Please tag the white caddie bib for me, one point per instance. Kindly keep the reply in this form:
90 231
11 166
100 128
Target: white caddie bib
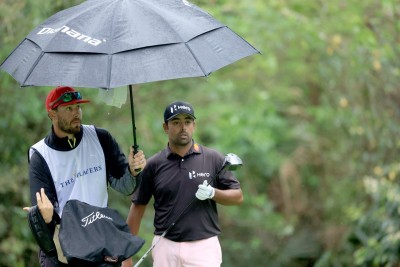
80 173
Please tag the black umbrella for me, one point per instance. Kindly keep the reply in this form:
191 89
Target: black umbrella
112 43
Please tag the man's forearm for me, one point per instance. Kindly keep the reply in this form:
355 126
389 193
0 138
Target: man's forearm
228 197
135 216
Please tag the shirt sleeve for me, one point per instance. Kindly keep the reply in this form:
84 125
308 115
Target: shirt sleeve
125 185
227 180
117 167
40 177
145 188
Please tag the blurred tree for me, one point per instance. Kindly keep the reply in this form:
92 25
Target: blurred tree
315 119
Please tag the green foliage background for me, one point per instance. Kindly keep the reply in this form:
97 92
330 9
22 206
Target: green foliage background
315 118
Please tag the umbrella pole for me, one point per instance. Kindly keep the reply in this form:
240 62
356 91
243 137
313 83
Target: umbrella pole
135 145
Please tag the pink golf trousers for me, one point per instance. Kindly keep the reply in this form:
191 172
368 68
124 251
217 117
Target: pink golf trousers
200 253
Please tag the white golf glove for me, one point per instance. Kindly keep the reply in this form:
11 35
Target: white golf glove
205 191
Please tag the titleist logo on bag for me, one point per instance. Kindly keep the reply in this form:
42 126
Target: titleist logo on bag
92 217
93 234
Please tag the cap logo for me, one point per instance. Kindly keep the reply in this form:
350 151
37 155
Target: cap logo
176 108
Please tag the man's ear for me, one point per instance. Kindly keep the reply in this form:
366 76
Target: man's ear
51 113
165 126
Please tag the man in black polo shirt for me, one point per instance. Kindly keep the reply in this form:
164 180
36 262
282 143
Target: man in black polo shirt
174 177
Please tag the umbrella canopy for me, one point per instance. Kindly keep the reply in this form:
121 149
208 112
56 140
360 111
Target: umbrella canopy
112 43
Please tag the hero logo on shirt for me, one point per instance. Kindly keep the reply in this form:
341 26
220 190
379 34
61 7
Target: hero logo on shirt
194 174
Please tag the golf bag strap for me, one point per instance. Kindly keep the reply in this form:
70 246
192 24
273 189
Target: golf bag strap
40 232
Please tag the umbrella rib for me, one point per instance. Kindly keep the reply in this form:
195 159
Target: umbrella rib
198 62
109 71
32 68
110 58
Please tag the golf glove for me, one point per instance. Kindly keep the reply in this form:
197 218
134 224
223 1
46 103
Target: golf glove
205 191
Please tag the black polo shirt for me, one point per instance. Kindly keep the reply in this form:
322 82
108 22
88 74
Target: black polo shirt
173 181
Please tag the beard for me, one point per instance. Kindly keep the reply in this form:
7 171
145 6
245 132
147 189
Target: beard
181 141
66 127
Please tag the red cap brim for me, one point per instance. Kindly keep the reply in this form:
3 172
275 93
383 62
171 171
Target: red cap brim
73 102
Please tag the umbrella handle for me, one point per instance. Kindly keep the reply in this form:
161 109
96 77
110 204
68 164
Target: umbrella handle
135 150
135 145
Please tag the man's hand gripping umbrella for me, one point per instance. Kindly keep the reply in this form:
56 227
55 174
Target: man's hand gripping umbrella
232 162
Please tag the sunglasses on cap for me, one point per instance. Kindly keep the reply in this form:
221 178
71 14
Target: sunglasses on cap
66 97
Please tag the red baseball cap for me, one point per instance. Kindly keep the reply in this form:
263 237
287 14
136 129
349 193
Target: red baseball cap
63 96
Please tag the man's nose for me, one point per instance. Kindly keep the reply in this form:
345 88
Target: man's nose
76 111
183 125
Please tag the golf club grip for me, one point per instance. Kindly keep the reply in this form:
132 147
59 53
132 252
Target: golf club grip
135 150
